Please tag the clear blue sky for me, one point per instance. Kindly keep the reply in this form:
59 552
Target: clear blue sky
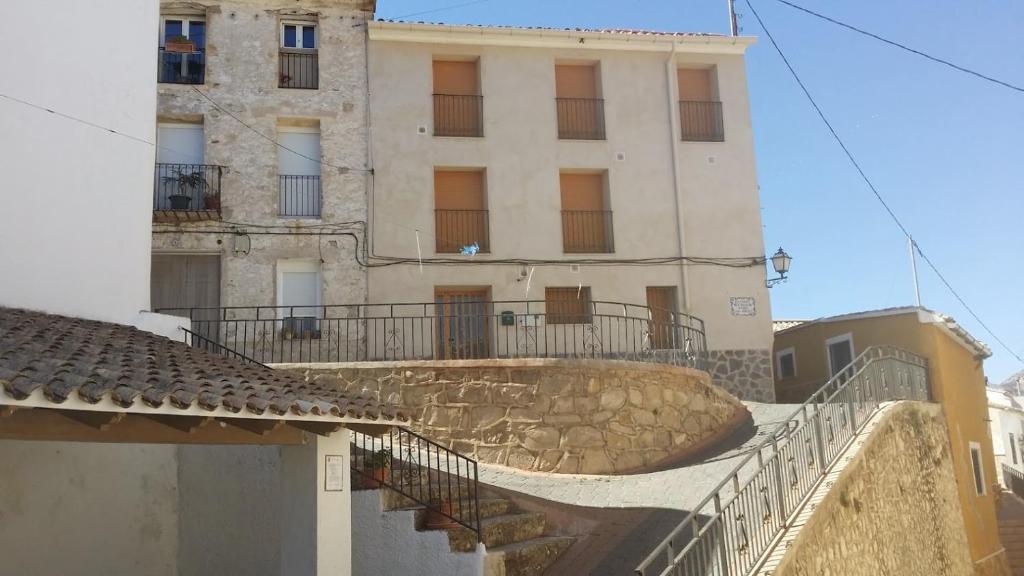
943 147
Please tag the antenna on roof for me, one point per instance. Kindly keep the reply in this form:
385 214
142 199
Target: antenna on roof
733 27
913 267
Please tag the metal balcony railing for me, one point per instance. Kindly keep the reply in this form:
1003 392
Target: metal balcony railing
701 121
450 330
181 68
454 229
458 115
736 524
442 480
580 118
300 196
187 191
587 231
298 68
1013 480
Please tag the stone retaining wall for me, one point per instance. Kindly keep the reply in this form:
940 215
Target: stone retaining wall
568 416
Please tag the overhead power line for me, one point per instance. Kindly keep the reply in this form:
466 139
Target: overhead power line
901 46
440 9
76 119
871 185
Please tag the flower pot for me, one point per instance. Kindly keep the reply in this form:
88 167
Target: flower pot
438 519
378 475
211 202
179 201
179 46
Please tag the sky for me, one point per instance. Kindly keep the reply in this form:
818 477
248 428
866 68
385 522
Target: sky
942 147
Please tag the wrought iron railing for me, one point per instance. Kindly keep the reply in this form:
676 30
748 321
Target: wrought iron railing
1013 479
300 196
298 68
580 118
187 187
181 67
587 231
449 330
458 115
701 121
455 229
735 525
196 341
443 481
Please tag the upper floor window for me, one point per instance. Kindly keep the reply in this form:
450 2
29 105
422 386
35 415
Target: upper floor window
184 187
979 472
700 111
298 168
839 350
586 219
299 63
578 102
460 210
182 50
458 105
785 363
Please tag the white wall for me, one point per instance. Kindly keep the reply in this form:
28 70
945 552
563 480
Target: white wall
77 201
387 543
69 509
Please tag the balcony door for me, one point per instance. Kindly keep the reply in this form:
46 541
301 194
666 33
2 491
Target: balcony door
298 167
463 322
179 154
184 283
662 302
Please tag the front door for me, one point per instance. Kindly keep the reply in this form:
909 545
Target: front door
662 302
183 283
463 323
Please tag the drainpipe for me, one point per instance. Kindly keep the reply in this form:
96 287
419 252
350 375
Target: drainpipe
673 114
370 229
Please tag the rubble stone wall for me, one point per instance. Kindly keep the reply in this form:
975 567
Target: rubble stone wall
554 415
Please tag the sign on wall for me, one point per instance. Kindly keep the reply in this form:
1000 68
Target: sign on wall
743 306
334 480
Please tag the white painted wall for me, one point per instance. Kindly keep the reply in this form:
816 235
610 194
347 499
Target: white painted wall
1006 416
77 201
69 509
387 543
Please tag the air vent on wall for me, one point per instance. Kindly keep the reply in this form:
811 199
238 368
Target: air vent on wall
574 268
421 129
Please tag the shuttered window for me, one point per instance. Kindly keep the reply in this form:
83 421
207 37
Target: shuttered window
568 305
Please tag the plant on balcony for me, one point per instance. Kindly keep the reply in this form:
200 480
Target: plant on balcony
186 182
378 465
439 513
179 45
211 201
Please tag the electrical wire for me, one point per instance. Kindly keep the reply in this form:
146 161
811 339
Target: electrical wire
901 46
442 8
76 119
273 140
872 187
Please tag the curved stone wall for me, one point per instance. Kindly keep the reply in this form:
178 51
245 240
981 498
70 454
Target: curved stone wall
555 415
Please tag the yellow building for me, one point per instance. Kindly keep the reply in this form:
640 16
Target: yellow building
808 353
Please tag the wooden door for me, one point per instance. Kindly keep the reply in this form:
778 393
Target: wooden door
463 323
662 302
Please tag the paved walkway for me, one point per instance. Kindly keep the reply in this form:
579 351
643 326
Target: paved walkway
680 488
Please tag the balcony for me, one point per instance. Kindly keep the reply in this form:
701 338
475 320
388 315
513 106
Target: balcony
186 192
300 196
458 115
580 118
701 121
181 67
454 229
298 68
587 231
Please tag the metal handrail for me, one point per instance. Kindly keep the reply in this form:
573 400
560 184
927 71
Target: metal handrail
442 480
458 329
1013 479
728 532
196 341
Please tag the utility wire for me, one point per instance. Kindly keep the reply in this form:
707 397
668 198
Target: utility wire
896 44
442 8
77 119
871 185
273 140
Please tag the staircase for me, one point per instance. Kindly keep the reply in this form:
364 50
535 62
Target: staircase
515 540
1010 515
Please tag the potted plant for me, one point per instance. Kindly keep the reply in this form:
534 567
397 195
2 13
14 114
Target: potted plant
439 514
211 202
179 45
185 183
379 467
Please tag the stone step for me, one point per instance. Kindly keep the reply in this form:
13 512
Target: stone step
527 558
498 531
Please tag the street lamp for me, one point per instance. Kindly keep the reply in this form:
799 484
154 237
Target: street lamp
780 261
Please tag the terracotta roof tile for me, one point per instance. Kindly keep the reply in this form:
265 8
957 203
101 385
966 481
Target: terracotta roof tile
628 31
95 361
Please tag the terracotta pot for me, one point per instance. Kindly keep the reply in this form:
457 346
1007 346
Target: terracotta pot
179 47
437 520
377 477
211 202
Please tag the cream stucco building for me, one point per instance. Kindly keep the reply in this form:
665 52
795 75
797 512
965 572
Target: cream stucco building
569 157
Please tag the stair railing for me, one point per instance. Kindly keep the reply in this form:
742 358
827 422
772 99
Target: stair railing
729 532
1013 479
442 480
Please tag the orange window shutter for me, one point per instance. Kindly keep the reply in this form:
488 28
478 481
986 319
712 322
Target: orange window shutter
695 84
575 81
456 77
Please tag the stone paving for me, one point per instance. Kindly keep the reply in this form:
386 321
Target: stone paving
680 488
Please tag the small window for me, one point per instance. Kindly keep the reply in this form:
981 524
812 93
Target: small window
840 353
1013 448
979 473
569 305
298 35
785 362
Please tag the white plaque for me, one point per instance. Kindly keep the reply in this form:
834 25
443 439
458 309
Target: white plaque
743 306
334 465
